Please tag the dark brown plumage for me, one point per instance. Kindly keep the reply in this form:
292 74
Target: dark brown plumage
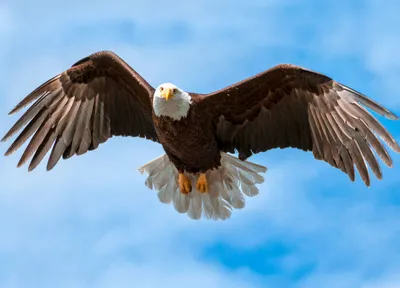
289 106
97 98
286 106
190 142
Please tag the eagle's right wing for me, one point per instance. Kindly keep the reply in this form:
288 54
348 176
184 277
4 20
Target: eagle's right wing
98 97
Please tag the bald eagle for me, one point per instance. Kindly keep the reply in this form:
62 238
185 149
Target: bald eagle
101 96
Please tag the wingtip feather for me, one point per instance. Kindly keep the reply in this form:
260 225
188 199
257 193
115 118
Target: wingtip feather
7 136
392 116
50 165
15 109
365 100
20 163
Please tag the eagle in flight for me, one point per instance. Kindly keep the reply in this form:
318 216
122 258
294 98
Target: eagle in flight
101 96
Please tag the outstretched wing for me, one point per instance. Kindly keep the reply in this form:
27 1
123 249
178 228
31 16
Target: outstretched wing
98 97
289 106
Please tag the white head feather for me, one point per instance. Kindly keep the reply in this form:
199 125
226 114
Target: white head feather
176 106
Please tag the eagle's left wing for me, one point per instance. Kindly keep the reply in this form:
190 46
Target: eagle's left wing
289 106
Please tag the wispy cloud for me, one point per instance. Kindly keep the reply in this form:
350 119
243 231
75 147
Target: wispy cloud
91 222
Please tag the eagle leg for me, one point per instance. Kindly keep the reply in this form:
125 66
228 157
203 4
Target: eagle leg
202 184
184 183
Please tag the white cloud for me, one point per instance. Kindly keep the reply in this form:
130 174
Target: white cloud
6 21
390 281
370 33
171 273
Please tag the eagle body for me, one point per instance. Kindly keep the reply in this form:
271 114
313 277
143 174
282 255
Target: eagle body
190 143
286 106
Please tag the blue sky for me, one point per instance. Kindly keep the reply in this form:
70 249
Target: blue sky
91 222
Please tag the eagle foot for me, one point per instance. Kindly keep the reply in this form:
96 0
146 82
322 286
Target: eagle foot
202 184
184 184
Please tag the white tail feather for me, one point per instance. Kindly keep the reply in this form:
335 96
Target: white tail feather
228 186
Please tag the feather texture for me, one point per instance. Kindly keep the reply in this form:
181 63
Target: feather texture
228 186
289 106
97 98
286 106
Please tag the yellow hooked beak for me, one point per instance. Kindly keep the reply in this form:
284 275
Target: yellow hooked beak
167 93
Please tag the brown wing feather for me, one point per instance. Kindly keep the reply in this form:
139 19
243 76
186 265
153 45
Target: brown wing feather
289 106
98 97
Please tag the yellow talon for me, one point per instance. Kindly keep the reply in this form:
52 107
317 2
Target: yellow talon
184 184
202 184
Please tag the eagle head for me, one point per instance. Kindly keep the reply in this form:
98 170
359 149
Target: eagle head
171 101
